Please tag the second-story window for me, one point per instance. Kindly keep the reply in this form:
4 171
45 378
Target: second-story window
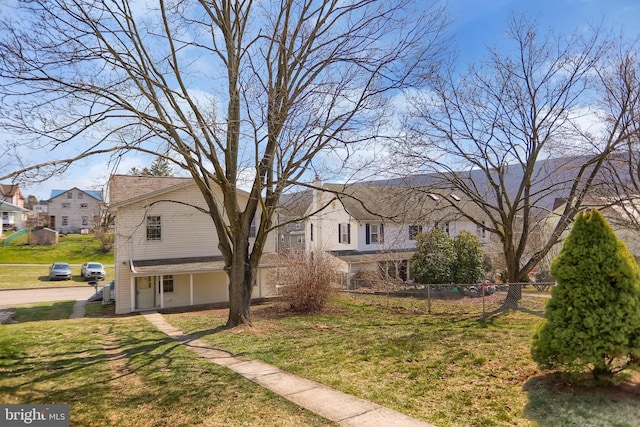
374 233
66 205
344 233
154 228
84 205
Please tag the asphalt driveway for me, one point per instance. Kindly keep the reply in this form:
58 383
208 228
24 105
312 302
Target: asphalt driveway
16 297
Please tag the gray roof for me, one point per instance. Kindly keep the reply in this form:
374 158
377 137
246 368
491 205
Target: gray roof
370 202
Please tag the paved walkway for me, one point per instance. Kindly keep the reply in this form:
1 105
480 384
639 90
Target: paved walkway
334 405
78 309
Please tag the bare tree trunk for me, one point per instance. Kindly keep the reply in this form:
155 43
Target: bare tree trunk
242 279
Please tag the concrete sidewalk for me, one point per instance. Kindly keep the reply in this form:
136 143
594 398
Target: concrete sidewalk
334 405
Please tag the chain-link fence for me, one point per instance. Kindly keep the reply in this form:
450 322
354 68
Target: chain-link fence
476 299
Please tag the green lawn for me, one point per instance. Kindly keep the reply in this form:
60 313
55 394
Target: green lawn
75 249
121 371
72 248
450 370
24 277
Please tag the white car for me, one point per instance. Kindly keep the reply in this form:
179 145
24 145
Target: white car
92 271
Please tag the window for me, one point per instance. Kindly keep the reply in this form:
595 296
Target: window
344 233
481 231
66 205
85 220
69 195
374 233
252 229
154 228
414 230
5 215
297 226
84 205
65 220
300 239
167 283
79 195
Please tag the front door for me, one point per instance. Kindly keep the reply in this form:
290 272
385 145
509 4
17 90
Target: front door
145 293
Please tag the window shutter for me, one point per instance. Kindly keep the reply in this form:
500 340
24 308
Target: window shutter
339 233
349 233
381 237
367 235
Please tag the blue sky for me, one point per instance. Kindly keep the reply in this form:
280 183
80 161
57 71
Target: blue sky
476 24
481 23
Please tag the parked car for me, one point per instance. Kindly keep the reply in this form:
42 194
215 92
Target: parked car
60 271
92 271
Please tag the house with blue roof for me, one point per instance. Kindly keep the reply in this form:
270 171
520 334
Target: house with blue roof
75 210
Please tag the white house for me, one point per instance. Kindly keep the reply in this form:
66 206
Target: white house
74 210
166 250
372 228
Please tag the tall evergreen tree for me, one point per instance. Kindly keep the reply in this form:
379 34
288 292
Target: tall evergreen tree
593 316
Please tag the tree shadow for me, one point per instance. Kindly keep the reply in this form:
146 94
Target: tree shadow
503 311
555 401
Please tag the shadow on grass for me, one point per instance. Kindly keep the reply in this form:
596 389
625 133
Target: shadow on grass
557 402
54 311
502 311
83 376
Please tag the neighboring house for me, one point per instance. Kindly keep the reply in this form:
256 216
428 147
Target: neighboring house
623 217
14 215
74 210
10 193
166 250
373 228
290 218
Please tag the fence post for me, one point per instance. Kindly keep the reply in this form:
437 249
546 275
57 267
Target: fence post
429 298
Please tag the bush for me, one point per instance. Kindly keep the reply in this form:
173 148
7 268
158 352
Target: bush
304 281
440 260
593 316
469 259
432 260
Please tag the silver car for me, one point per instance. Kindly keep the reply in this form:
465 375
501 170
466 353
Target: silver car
60 271
92 271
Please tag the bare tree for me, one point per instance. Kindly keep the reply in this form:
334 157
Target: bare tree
224 90
621 188
512 135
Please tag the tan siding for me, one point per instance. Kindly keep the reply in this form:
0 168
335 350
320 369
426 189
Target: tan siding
209 288
180 295
266 277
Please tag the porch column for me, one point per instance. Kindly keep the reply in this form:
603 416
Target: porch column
191 289
132 290
161 291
